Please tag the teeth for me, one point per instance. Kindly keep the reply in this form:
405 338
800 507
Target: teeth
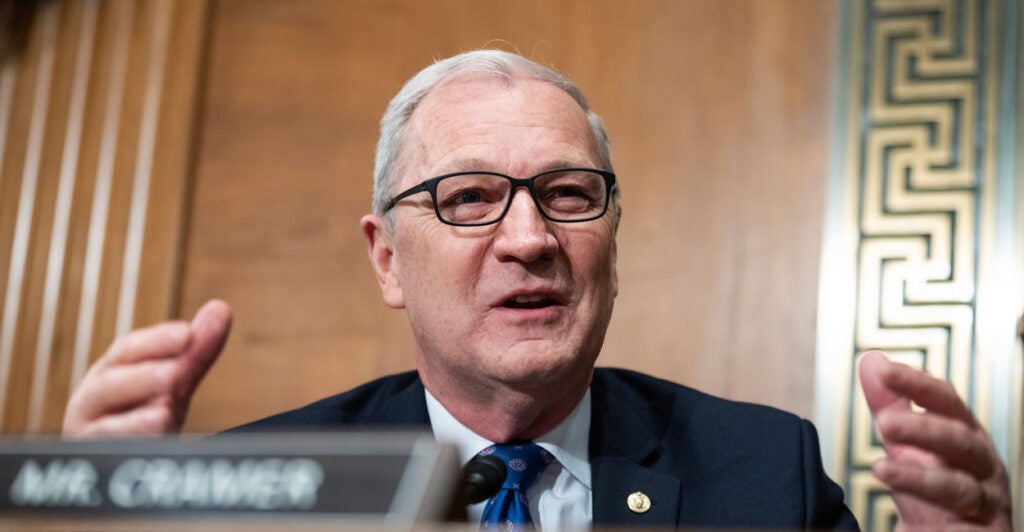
525 300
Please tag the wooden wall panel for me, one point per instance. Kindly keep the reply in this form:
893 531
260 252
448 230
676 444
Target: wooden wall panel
718 116
93 166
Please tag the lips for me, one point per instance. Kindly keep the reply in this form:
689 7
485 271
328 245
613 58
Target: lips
529 301
532 300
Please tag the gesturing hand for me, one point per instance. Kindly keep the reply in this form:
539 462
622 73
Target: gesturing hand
941 464
143 384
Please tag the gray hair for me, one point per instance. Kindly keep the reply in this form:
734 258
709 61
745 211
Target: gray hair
497 63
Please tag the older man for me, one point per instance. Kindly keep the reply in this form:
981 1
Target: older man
495 214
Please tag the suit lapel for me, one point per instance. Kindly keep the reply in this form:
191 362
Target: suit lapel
625 437
407 407
624 441
616 478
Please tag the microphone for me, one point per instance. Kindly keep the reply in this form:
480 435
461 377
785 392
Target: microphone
482 477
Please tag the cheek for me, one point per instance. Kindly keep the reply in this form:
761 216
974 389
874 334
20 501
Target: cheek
438 270
592 258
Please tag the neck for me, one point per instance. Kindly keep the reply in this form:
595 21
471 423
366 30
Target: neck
502 412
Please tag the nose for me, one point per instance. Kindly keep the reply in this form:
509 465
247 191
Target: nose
524 234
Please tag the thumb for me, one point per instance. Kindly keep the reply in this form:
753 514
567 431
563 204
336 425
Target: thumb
874 365
210 328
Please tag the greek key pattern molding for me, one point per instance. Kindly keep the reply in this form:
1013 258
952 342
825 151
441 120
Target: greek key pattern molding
920 172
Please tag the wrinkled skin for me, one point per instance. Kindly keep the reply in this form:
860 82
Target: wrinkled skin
504 372
941 464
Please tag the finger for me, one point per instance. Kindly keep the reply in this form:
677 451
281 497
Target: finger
149 420
158 341
872 369
909 453
946 527
951 489
210 329
119 388
927 391
956 444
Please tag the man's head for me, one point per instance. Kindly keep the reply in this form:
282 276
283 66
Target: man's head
497 63
513 312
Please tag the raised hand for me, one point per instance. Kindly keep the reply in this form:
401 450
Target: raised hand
143 384
941 464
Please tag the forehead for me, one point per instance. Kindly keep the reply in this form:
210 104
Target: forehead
519 127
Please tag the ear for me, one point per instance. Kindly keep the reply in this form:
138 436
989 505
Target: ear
615 268
615 250
378 236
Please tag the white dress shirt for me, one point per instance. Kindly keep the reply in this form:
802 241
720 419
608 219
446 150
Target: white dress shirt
561 497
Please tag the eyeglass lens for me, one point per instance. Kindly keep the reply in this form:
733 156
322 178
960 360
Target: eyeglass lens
482 198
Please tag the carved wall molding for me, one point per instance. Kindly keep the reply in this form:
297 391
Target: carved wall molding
922 243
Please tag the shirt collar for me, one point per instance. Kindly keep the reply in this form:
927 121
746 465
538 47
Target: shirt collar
568 442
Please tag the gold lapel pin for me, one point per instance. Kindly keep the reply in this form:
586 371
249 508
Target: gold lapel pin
638 502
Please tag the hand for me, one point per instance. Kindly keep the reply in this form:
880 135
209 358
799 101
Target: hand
941 464
143 384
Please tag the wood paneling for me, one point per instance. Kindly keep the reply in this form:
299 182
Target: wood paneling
718 116
94 153
717 112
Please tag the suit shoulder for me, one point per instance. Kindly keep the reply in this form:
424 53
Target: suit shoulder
738 464
394 400
674 400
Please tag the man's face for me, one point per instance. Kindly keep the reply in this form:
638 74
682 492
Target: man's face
524 302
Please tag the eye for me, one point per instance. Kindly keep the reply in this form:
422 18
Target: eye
569 198
470 198
470 189
568 192
467 196
571 193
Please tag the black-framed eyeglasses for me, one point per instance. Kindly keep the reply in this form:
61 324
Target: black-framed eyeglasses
482 198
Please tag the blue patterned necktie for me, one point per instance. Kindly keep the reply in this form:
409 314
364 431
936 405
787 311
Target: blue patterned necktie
509 508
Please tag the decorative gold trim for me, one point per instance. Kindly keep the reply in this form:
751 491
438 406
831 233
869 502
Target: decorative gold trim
917 241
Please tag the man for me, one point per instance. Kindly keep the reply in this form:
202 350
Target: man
495 214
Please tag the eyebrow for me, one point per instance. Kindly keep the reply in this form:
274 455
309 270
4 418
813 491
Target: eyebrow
475 163
465 165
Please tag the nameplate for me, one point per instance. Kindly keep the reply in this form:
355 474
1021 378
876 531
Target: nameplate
395 477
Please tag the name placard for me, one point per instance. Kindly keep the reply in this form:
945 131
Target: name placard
393 477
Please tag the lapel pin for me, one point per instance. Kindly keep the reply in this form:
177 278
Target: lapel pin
638 502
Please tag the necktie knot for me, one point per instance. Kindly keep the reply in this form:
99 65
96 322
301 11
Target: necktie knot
509 509
525 462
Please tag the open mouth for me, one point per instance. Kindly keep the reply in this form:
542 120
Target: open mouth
529 302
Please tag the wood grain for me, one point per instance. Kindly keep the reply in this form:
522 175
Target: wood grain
718 116
717 112
71 164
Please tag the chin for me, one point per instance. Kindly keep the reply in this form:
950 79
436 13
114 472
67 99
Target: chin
525 365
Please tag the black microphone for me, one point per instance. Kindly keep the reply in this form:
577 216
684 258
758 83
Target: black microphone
482 477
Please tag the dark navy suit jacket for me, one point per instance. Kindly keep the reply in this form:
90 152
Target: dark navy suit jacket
702 460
